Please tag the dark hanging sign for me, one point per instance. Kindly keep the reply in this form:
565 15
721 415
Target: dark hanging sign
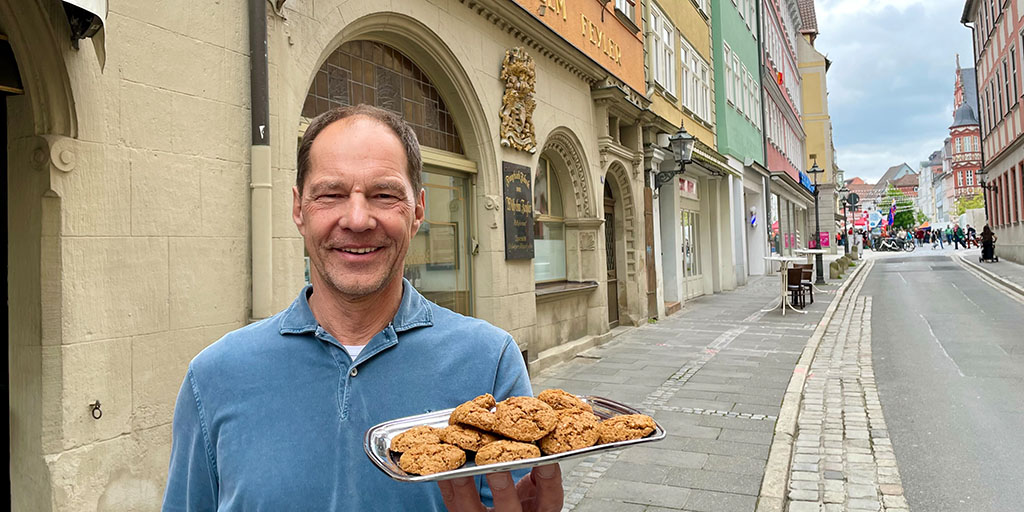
517 204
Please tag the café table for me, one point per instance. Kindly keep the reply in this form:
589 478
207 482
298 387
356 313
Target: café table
784 262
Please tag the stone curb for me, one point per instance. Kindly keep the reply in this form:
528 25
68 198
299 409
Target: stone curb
1012 286
772 497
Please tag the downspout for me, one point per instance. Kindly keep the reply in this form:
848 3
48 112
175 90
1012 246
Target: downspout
259 177
764 131
977 94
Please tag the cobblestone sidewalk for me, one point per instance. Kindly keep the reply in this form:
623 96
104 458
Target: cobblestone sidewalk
714 376
843 459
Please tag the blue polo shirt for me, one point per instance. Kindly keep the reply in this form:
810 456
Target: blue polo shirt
272 416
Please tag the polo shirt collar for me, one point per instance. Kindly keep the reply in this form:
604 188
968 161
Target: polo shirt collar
413 311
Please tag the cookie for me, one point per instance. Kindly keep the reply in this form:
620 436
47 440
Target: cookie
625 427
524 418
561 400
476 413
427 459
414 436
575 429
505 451
466 437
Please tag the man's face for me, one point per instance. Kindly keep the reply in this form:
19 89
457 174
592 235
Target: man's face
357 211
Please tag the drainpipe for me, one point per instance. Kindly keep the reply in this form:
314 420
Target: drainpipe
259 177
764 132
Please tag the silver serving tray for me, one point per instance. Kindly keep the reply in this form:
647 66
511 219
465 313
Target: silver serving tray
378 439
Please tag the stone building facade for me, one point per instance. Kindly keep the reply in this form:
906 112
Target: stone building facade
145 221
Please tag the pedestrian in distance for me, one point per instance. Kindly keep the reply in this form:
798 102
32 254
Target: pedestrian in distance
972 235
988 243
958 237
272 416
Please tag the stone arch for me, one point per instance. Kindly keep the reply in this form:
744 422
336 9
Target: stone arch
563 143
432 54
39 51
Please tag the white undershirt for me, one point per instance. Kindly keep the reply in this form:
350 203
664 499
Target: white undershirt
354 350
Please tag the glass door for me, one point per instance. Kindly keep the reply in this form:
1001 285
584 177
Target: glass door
692 275
438 260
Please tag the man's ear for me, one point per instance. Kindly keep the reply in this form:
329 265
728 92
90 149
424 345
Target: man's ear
297 211
421 201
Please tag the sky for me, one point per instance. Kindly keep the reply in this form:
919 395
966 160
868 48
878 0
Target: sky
891 80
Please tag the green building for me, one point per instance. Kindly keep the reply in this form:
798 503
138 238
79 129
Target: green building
734 29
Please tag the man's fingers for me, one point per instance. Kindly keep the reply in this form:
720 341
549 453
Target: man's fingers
461 496
548 480
506 498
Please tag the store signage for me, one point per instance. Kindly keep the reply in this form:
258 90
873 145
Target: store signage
806 182
517 204
688 189
593 33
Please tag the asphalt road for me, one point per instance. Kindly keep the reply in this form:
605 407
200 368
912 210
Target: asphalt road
948 353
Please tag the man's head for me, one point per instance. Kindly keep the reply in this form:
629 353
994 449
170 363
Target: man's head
356 202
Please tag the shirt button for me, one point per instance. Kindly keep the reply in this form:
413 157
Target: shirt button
354 372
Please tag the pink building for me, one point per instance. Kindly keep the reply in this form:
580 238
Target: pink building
997 28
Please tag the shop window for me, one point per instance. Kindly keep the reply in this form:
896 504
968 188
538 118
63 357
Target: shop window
376 74
548 226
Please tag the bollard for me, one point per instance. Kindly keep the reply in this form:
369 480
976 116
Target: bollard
853 253
834 270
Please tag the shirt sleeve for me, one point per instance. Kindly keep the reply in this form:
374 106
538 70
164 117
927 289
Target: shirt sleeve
191 478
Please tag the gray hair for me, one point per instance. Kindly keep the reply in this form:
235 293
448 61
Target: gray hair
385 117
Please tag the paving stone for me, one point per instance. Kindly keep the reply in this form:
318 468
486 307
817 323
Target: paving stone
834 475
894 501
804 475
639 493
804 495
707 501
804 506
861 491
863 504
600 505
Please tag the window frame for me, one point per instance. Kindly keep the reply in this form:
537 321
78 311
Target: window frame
550 174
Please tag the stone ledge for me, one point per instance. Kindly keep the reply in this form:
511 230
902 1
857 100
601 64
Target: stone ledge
547 292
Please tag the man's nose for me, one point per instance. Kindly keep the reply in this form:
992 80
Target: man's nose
358 214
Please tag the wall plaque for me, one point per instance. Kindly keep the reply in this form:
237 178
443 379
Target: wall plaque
517 204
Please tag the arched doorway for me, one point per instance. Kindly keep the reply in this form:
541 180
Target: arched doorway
374 73
611 248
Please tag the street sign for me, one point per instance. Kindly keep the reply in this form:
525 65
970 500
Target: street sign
852 199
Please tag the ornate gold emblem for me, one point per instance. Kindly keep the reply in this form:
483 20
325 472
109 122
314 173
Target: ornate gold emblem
517 104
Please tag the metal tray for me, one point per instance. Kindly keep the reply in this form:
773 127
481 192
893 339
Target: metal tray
378 439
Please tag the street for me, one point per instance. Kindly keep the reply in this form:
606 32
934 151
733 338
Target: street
949 360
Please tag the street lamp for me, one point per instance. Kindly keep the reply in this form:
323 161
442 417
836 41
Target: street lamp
681 143
815 171
846 227
984 195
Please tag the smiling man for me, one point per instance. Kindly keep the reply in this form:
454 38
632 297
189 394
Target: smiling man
272 416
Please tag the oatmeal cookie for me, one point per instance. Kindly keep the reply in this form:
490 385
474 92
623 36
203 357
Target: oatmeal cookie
505 451
427 459
524 418
466 437
625 427
476 413
575 429
560 400
422 434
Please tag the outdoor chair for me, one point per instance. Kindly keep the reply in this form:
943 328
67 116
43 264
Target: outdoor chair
796 289
807 278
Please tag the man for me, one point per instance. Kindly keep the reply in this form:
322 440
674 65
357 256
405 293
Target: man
272 416
972 236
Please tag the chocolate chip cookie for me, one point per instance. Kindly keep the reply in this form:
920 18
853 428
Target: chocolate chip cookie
524 418
561 400
625 427
505 451
422 434
466 437
476 413
427 459
575 429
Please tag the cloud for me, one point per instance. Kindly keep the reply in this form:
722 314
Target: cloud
891 80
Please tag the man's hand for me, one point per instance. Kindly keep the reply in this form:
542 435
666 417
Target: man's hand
538 491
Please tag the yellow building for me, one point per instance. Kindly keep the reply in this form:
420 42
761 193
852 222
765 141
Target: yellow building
690 227
818 128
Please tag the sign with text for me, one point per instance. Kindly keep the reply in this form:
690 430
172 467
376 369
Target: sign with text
517 203
688 189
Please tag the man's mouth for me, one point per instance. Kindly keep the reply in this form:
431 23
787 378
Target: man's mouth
358 250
